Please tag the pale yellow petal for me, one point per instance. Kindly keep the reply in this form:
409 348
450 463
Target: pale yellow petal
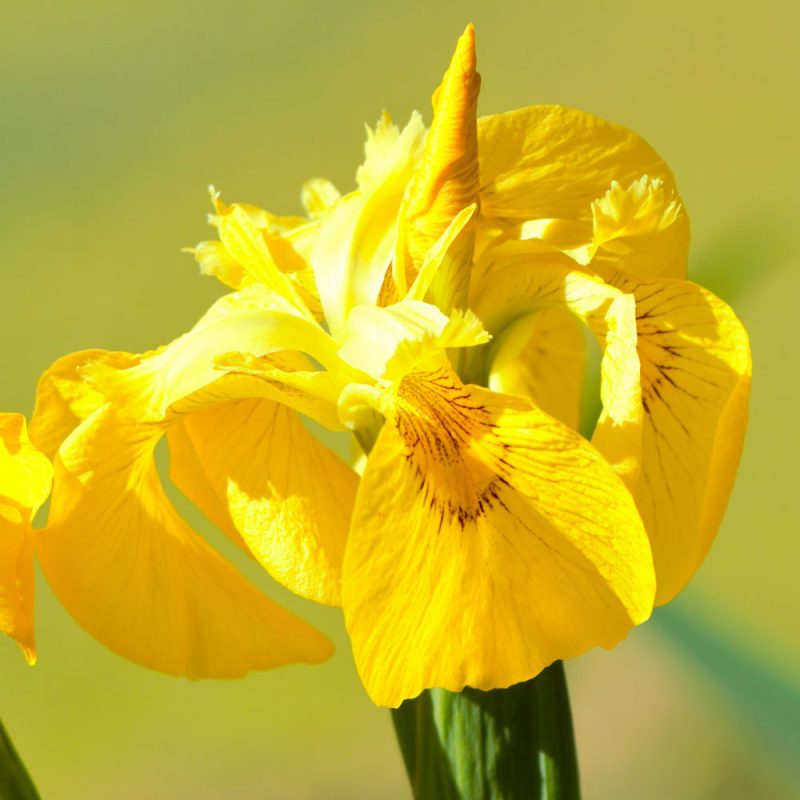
286 494
130 571
488 540
255 321
318 195
358 236
246 245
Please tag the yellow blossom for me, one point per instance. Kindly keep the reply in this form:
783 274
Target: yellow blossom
436 312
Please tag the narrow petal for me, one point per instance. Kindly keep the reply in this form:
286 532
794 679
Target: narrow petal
25 476
358 234
543 357
545 161
318 195
287 495
695 375
131 572
447 179
488 540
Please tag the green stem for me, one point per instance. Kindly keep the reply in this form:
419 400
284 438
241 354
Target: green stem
506 744
15 783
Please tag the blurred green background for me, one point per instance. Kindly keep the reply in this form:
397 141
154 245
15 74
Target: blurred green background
115 117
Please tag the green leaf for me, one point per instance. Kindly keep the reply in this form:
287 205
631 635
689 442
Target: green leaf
506 744
15 783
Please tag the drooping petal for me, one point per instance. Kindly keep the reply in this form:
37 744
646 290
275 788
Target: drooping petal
488 540
287 495
131 572
513 288
25 475
447 179
64 398
545 162
255 321
695 375
543 357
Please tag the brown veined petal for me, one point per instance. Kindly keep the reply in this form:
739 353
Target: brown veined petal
488 540
695 374
514 287
25 476
545 162
252 467
131 572
543 357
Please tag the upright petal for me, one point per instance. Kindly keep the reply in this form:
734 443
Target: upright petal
488 540
358 234
447 179
132 573
545 162
695 376
25 475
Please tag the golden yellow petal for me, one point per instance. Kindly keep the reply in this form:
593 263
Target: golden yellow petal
64 399
512 289
545 162
695 375
25 475
17 579
131 572
641 229
543 357
447 179
288 496
25 472
488 540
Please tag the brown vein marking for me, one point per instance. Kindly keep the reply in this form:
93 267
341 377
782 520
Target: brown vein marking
439 421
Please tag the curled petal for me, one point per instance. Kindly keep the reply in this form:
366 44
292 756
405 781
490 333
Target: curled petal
545 162
695 375
132 573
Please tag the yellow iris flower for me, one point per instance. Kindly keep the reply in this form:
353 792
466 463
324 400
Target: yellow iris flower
436 313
